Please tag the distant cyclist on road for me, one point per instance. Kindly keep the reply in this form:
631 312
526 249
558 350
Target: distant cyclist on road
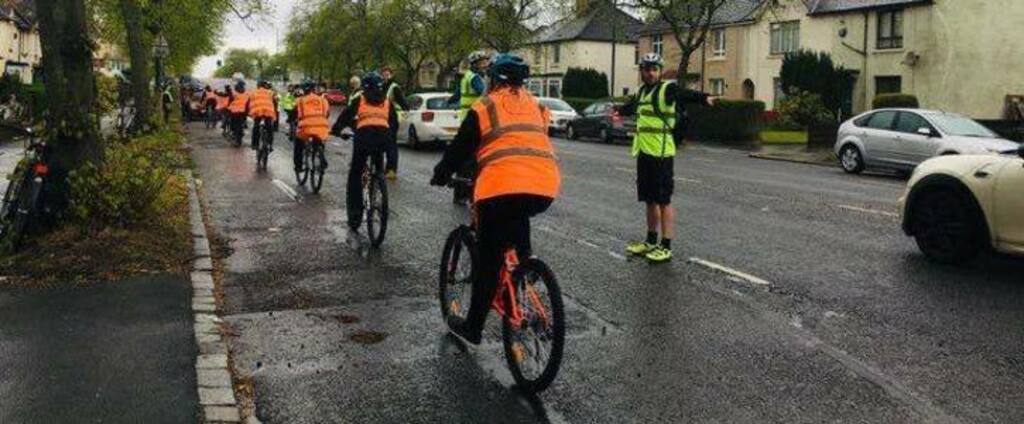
397 99
507 132
288 100
658 104
471 87
374 119
224 98
312 111
262 108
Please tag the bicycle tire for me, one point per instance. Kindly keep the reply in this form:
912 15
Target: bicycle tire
317 173
460 242
263 154
24 213
303 175
378 189
9 207
556 330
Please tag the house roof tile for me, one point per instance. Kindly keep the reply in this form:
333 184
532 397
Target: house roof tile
820 7
600 24
732 12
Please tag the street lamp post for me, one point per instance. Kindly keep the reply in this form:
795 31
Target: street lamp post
160 51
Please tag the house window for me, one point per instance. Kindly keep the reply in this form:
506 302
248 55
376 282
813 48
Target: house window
717 87
888 85
557 54
536 87
785 37
657 46
718 40
555 88
536 55
890 29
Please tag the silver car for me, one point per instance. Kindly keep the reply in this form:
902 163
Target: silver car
900 139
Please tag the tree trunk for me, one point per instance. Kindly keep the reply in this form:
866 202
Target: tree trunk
684 69
138 53
71 122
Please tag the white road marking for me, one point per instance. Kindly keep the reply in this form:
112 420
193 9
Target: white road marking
865 210
288 191
616 255
687 180
733 272
626 170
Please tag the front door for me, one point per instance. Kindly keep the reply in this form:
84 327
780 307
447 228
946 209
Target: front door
1008 205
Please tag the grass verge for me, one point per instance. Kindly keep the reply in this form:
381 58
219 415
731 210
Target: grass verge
783 137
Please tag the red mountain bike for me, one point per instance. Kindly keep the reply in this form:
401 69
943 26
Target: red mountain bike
528 300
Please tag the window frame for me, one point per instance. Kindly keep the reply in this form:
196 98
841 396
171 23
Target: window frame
889 78
715 83
782 33
887 19
718 44
556 54
892 123
657 45
899 119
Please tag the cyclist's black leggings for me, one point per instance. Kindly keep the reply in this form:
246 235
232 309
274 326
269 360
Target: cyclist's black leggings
502 221
361 150
238 125
257 127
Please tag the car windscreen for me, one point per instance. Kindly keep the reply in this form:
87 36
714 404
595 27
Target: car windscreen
961 126
440 103
557 105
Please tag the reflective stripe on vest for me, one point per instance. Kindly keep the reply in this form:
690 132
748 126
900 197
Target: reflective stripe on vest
238 104
373 115
467 96
515 155
262 104
312 112
654 127
391 96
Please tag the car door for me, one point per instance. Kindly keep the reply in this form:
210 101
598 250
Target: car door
597 121
879 138
580 125
912 147
409 117
1008 205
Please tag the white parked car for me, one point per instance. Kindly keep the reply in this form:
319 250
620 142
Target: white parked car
900 139
561 113
429 120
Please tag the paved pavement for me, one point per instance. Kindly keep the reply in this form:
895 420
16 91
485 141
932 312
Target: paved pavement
854 324
118 352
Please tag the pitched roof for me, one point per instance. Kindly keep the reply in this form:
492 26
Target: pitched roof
20 12
603 23
820 7
731 12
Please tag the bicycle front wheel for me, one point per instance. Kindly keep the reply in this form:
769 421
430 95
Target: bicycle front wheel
317 172
377 210
264 151
455 282
534 348
24 208
302 175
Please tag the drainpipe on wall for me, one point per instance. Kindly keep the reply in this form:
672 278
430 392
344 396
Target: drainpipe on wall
703 65
867 17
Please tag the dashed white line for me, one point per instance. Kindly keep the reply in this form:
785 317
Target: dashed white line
871 211
616 255
733 272
288 191
687 180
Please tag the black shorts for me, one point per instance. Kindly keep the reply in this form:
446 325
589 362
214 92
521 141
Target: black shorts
654 179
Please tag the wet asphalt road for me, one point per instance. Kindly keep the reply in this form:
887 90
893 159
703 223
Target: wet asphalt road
856 326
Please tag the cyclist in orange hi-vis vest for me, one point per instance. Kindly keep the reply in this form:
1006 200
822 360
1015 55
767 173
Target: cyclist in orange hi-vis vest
262 108
223 100
312 111
374 121
506 131
237 108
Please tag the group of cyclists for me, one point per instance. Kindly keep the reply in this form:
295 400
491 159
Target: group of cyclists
502 145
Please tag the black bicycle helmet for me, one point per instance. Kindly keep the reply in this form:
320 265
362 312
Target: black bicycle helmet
509 68
372 81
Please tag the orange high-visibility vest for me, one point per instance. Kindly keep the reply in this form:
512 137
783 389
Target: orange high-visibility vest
373 115
312 111
238 104
515 154
222 102
261 104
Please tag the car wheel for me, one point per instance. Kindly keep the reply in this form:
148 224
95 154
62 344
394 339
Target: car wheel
570 133
414 140
947 226
851 159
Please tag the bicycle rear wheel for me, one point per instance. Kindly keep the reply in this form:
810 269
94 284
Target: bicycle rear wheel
455 279
534 349
19 213
303 175
377 210
264 149
317 172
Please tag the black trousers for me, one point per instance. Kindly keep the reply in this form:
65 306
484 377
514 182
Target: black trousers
501 222
392 152
238 126
299 148
361 151
257 129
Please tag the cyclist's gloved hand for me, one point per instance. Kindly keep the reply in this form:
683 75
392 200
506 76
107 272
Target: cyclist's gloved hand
441 177
346 136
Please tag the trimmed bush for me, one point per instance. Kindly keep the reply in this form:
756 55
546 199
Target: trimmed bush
816 73
803 109
727 120
587 83
895 100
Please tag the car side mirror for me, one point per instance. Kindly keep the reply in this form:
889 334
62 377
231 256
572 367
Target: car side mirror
927 132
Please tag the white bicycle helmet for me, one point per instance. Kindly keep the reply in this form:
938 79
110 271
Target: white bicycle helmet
478 56
651 59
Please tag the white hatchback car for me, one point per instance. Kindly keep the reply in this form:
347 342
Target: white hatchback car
900 139
561 114
430 119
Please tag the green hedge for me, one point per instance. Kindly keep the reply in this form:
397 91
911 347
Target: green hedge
584 83
727 120
895 100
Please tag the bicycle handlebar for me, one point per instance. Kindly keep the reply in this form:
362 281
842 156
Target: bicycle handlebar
460 181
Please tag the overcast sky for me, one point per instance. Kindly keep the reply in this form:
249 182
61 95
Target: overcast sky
267 34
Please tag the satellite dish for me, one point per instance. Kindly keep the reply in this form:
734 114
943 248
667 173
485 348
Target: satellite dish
911 59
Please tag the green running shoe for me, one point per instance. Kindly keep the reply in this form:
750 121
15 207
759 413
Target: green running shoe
659 254
640 248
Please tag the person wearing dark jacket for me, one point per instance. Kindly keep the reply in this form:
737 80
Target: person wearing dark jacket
375 122
397 97
660 109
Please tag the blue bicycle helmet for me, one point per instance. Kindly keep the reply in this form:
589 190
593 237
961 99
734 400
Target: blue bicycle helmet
372 81
509 68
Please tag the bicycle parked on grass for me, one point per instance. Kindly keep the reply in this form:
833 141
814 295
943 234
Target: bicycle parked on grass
125 120
528 300
312 164
266 142
23 197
